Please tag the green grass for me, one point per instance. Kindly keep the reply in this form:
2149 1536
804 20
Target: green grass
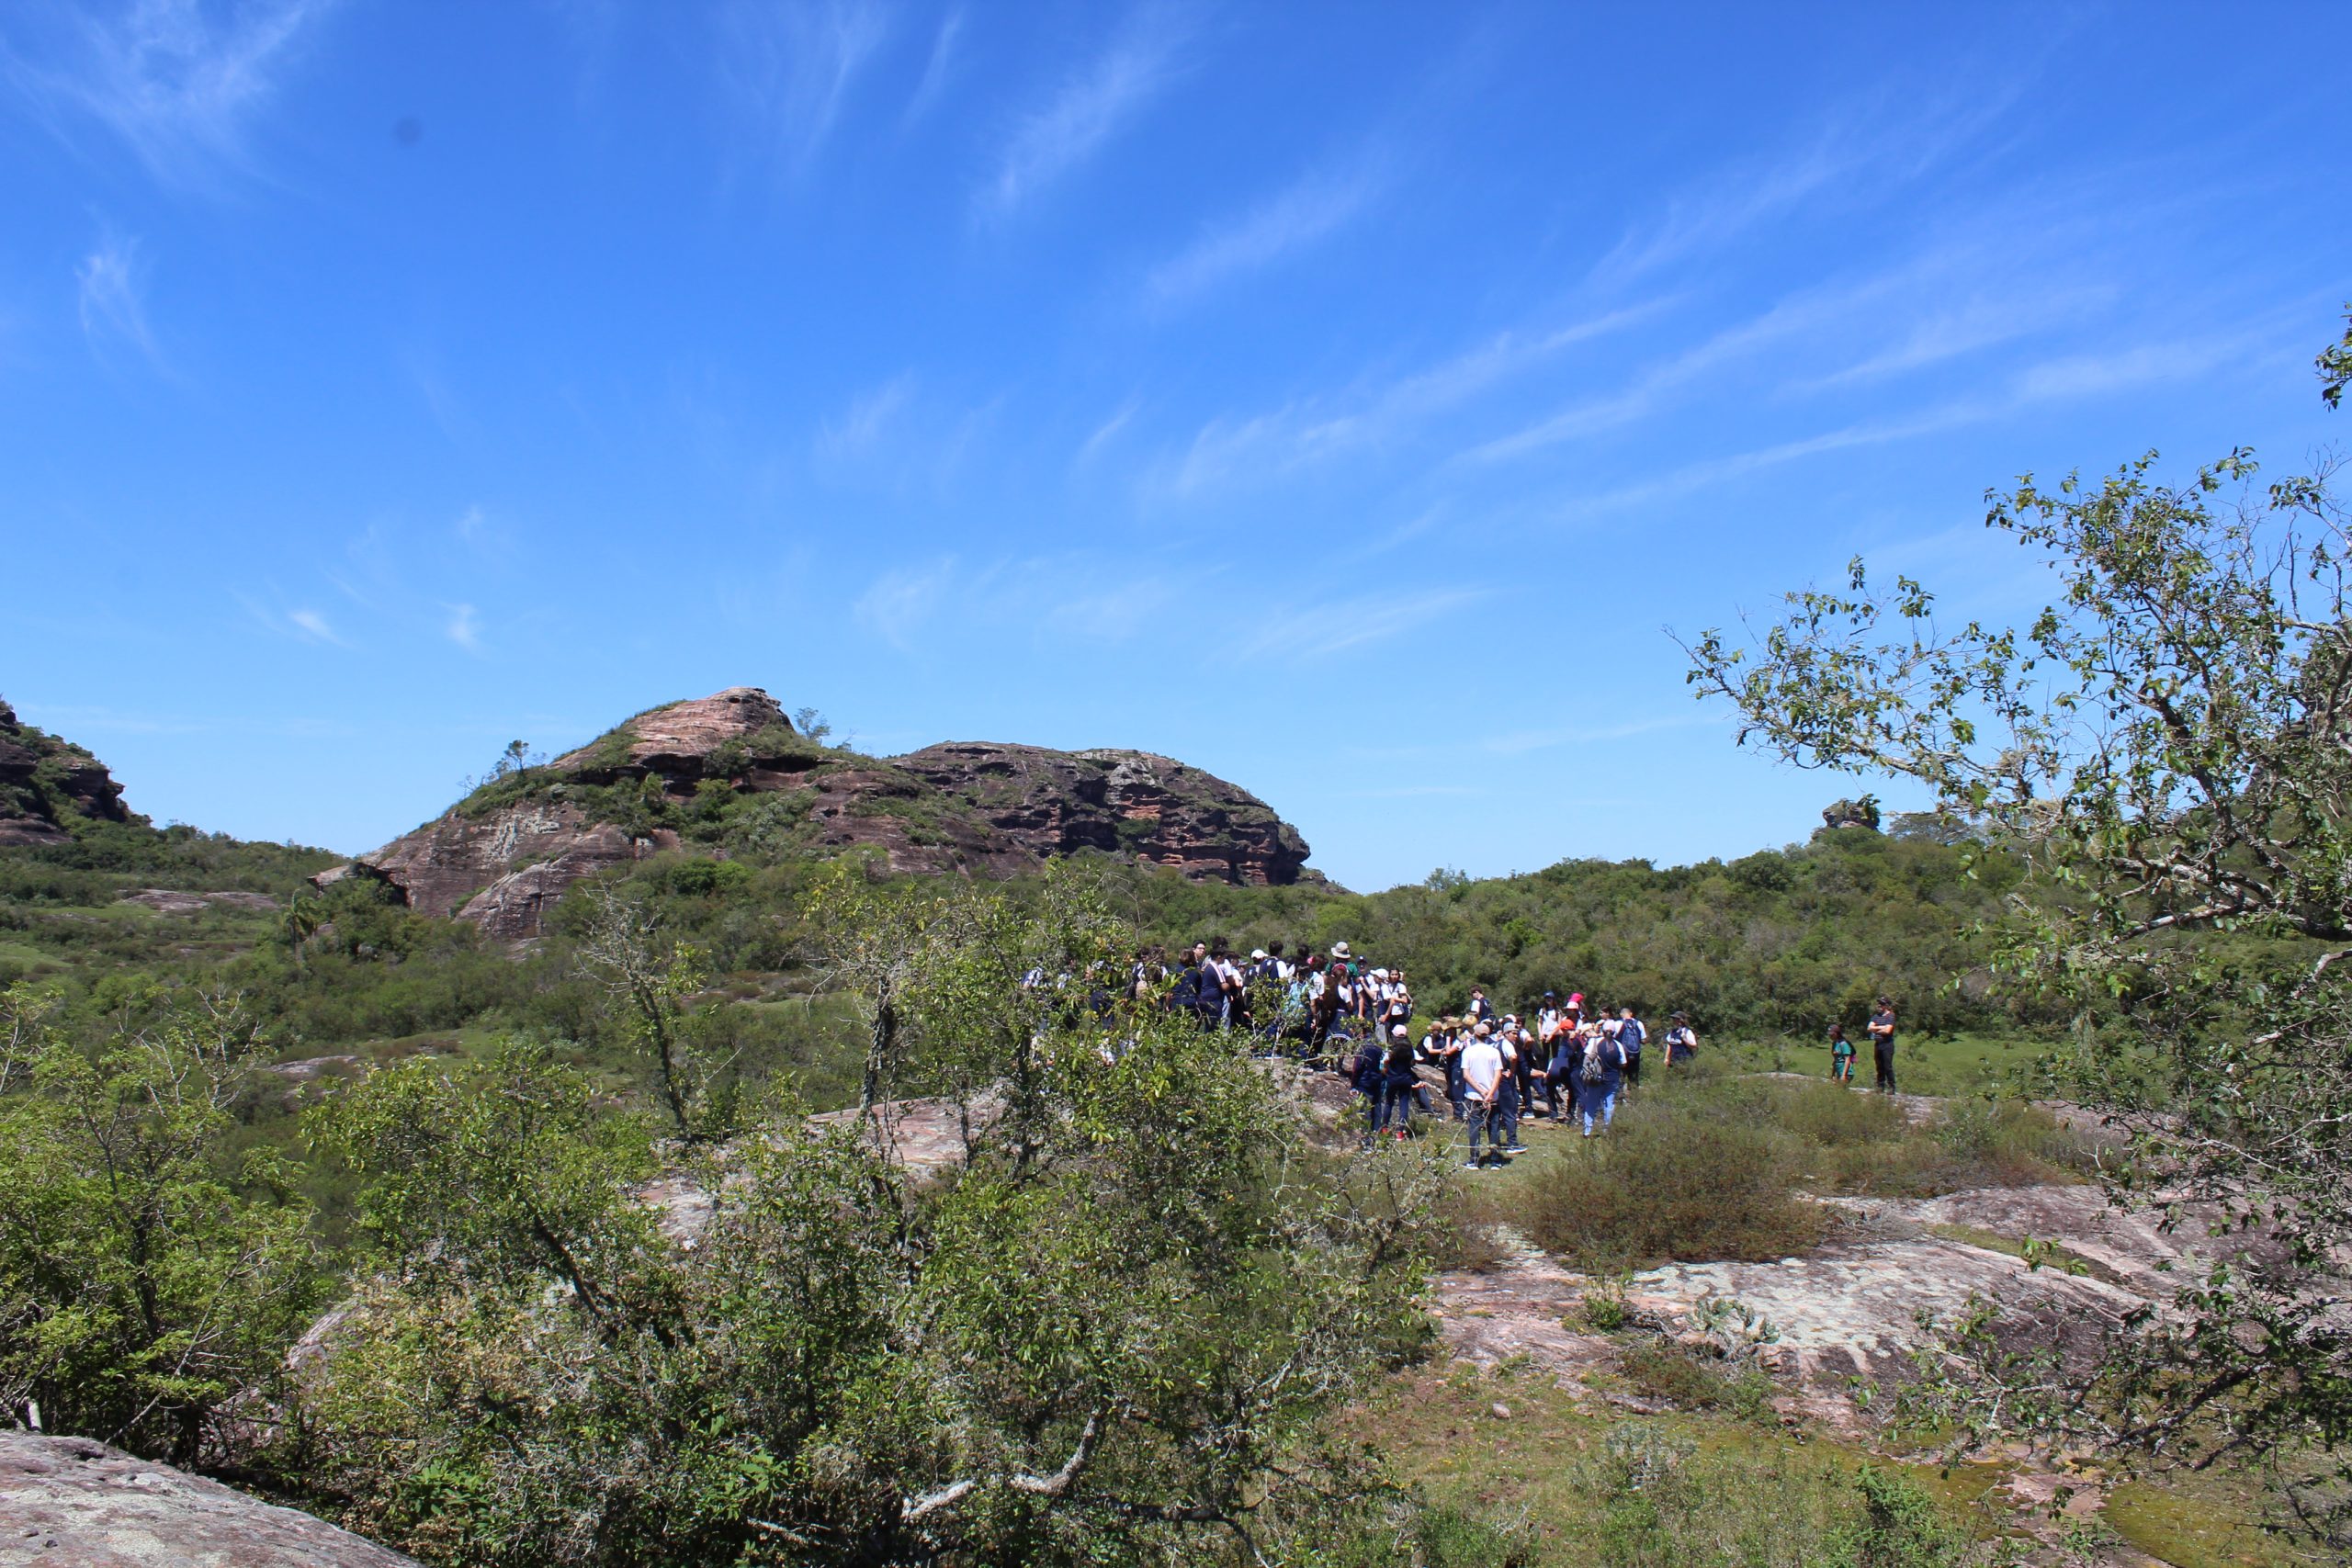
1548 1462
1742 1493
1941 1065
2049 1254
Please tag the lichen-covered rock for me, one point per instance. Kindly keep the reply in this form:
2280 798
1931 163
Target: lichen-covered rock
76 1503
504 855
46 782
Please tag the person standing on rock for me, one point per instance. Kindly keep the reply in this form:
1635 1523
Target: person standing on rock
1482 1082
1398 1082
1883 1043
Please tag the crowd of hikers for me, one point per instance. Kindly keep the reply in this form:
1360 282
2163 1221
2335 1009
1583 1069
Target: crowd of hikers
1570 1060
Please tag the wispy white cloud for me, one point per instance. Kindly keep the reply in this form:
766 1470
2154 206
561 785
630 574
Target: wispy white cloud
1859 150
1320 630
937 66
314 626
1108 430
1964 328
178 81
790 68
1373 411
1075 595
464 626
2057 380
1906 313
1085 110
1290 221
112 299
860 429
898 604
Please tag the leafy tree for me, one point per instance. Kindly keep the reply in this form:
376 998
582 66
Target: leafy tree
150 1283
1108 1332
2168 744
653 984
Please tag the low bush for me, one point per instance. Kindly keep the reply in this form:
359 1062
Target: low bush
1672 1183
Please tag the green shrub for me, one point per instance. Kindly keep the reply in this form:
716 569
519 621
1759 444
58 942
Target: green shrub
1672 1183
1659 1370
1658 1503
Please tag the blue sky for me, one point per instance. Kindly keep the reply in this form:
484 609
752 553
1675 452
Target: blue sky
1343 399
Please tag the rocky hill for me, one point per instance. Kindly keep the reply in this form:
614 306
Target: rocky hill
728 775
47 785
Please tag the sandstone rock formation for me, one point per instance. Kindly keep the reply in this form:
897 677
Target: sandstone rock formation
46 782
728 774
73 1503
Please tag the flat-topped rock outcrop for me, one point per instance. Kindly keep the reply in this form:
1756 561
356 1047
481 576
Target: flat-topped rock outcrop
728 775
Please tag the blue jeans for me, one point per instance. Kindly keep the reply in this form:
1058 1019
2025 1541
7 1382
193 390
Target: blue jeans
1486 1119
1601 1097
1560 1086
1395 1107
1507 1109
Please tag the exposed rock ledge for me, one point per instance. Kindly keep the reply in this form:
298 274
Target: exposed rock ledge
76 1503
503 857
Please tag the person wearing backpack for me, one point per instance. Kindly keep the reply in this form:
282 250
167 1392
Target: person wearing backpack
1599 1077
1398 1082
1630 1035
1681 1042
1841 1056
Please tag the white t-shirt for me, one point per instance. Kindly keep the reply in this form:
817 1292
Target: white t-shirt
1482 1068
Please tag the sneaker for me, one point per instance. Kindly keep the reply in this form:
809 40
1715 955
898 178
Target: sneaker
1474 1165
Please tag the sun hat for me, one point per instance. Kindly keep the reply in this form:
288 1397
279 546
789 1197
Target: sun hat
1257 953
1339 950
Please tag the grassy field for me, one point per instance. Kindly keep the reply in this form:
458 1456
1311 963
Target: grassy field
1941 1065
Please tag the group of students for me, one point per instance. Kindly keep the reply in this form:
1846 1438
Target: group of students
1572 1063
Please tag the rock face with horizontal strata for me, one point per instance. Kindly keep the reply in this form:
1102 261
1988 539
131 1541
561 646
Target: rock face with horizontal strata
46 782
73 1501
973 808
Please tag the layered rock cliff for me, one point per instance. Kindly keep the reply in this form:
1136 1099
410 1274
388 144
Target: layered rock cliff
47 785
728 775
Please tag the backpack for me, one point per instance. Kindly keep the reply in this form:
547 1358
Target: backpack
1596 1063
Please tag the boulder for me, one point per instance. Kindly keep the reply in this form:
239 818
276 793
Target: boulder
76 1503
